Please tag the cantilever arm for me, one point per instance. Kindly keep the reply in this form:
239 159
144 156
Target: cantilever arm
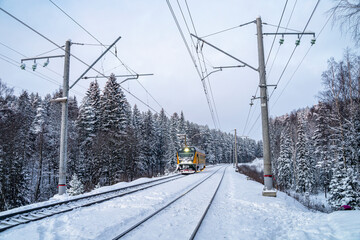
211 73
224 52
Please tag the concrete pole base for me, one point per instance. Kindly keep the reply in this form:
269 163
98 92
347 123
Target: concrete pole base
62 189
269 193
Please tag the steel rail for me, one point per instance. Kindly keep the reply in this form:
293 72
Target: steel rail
160 209
11 220
207 208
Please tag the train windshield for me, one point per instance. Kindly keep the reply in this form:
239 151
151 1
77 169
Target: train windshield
187 153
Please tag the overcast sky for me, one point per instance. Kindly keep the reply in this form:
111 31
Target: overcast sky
151 43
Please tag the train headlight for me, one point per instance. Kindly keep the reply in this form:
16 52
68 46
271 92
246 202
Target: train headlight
186 149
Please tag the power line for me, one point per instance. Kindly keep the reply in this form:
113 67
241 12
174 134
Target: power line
131 71
286 28
203 60
192 58
38 74
201 69
277 29
297 68
247 120
301 34
47 68
228 29
257 119
139 99
32 29
15 63
50 51
125 66
282 73
23 23
153 98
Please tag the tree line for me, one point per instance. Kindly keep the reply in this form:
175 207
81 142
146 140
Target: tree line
317 149
108 141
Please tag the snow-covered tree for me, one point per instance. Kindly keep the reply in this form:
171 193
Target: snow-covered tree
76 187
344 188
285 170
303 168
148 143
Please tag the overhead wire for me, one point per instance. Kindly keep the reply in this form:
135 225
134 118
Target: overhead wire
277 30
228 29
23 23
125 66
285 28
32 29
205 68
153 98
302 60
38 74
191 56
301 34
130 70
268 57
47 68
201 68
50 51
282 73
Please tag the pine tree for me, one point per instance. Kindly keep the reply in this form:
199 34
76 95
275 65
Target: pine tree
303 170
88 124
114 112
322 146
38 131
182 124
147 144
208 145
174 126
162 141
285 170
25 116
76 187
137 167
344 188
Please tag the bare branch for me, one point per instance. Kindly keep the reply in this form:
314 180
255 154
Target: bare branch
347 14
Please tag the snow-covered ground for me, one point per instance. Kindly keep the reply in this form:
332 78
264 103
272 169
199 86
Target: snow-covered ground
316 201
239 211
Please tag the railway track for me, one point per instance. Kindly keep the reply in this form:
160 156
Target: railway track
194 232
16 218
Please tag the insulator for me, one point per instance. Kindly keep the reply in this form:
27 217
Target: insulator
34 66
313 41
46 63
281 41
297 42
23 66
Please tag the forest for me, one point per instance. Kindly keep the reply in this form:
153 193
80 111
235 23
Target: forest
109 141
317 149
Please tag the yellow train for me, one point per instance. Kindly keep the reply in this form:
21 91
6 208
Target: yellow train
190 160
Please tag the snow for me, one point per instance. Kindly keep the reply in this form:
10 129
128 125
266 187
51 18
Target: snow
239 211
258 164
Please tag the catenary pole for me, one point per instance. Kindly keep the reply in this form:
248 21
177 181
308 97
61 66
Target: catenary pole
268 181
64 121
236 161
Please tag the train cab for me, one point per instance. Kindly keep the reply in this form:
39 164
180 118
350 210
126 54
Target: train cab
190 160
